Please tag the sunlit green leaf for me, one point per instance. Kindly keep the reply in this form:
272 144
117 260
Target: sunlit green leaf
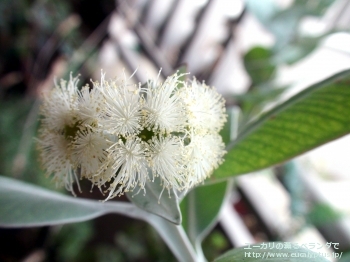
277 252
165 205
315 116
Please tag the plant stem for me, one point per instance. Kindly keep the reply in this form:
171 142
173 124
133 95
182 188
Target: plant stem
174 236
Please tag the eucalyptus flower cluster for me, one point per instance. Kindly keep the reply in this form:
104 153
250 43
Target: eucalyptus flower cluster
120 135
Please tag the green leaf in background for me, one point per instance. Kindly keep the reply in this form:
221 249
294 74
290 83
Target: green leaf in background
165 205
345 257
225 131
313 117
215 244
200 209
259 65
26 205
254 101
271 255
229 131
297 49
18 121
322 214
71 240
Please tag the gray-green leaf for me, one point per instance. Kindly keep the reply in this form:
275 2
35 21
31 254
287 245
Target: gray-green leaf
26 205
165 205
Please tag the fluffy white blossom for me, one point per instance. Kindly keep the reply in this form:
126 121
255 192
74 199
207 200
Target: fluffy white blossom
54 156
121 136
128 166
163 109
66 141
122 108
167 158
204 154
89 106
59 105
205 106
88 151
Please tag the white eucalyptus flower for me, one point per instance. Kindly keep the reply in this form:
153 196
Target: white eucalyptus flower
88 151
59 105
122 108
204 154
163 109
127 166
166 157
55 158
205 107
89 106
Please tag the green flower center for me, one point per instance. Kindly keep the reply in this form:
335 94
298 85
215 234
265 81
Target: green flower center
146 134
71 131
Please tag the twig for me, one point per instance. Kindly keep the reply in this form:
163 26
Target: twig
169 17
90 44
145 11
150 49
232 24
51 45
189 42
